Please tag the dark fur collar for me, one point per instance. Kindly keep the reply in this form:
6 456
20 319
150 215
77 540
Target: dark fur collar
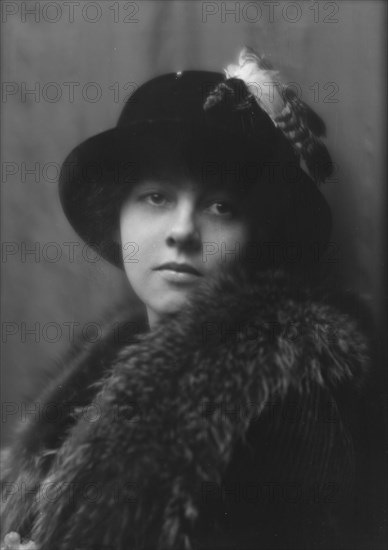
157 405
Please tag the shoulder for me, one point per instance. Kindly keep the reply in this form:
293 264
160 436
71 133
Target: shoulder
69 389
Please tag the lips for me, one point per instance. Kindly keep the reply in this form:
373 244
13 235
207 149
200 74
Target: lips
179 268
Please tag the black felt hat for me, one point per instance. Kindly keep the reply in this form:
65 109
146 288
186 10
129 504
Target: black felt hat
168 118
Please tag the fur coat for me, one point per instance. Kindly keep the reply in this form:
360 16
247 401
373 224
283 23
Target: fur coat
229 425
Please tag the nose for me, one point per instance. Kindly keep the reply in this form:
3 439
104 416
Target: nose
184 231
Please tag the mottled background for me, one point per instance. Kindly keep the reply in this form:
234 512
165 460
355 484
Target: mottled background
333 50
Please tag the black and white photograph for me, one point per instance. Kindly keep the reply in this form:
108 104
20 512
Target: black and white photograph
193 266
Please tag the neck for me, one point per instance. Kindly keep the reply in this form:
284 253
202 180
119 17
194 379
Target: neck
153 318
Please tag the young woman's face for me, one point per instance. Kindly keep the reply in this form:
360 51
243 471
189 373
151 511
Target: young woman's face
175 233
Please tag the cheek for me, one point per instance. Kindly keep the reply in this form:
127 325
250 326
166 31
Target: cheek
133 246
141 243
224 244
137 234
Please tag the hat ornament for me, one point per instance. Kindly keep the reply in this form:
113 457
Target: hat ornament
300 125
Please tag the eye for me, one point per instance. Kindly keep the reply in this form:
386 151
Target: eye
221 208
155 199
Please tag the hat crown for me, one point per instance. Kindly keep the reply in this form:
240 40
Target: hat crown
172 96
177 101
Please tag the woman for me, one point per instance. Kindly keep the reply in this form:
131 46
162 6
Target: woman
222 414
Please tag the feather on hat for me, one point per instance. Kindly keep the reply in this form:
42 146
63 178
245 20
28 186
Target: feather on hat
298 122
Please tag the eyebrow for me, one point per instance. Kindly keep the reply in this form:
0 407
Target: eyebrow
203 188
